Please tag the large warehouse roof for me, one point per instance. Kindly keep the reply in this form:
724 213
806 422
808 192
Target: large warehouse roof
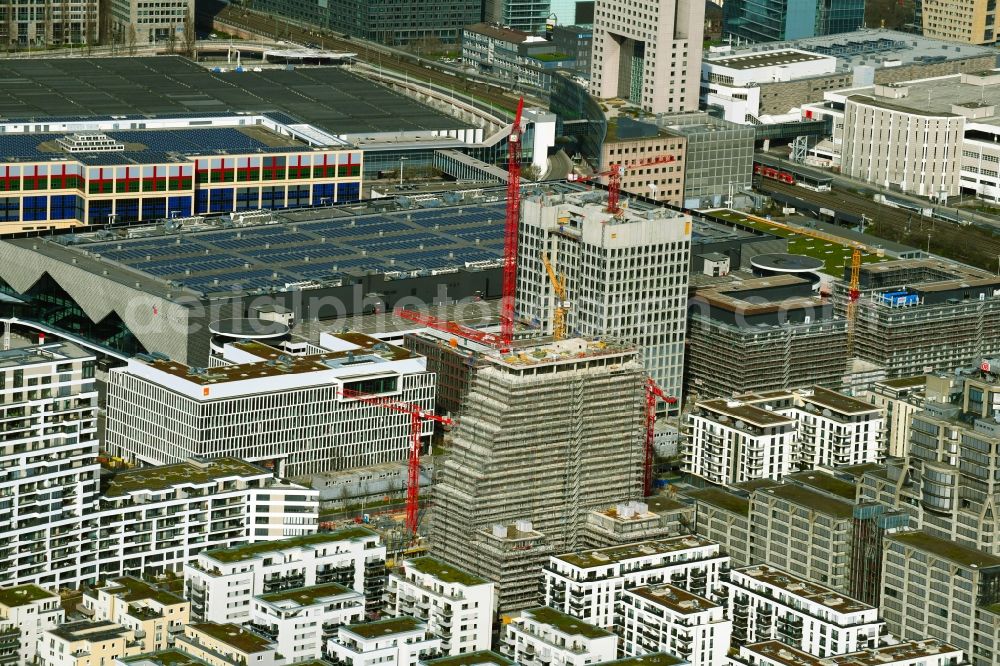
329 97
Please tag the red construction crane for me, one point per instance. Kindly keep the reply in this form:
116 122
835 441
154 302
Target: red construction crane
506 337
852 300
511 229
614 176
417 416
652 393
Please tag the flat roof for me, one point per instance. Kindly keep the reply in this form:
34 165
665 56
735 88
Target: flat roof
22 595
824 482
675 598
812 500
187 473
331 98
741 411
907 652
274 362
757 60
567 624
52 352
946 549
443 571
87 630
904 382
722 499
252 550
498 32
478 658
392 625
131 589
170 657
306 596
589 559
838 402
234 636
784 262
655 659
805 588
936 97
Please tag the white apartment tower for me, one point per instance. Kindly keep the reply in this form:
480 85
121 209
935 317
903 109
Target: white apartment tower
26 612
626 277
543 635
457 605
648 52
667 618
396 641
48 465
221 582
287 412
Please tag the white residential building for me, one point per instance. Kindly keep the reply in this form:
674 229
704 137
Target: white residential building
176 511
649 52
456 605
585 584
732 82
731 441
301 620
544 636
397 641
151 613
666 618
221 583
86 643
930 652
836 430
625 277
48 465
26 611
766 604
162 411
229 645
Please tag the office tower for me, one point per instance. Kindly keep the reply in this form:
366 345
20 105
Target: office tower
549 432
625 276
136 22
38 23
287 412
777 20
648 52
970 21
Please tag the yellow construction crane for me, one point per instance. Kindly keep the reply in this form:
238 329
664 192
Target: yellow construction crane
852 300
559 316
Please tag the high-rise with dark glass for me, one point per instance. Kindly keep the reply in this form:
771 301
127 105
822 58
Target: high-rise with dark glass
778 20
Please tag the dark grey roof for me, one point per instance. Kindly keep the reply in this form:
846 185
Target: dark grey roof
328 97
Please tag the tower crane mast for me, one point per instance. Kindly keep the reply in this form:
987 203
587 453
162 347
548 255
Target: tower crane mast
653 393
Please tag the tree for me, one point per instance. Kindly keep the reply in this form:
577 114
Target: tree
190 36
172 39
132 39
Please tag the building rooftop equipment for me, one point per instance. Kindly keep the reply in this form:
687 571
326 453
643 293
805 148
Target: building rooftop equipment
759 59
907 652
567 624
163 477
254 550
589 559
805 588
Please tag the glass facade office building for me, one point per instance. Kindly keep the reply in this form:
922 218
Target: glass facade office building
778 20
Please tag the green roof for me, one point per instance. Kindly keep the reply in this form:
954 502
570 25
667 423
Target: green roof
655 659
905 382
471 659
946 549
567 624
305 596
234 636
185 473
826 483
132 589
165 658
392 625
722 499
23 595
251 550
588 559
812 500
444 572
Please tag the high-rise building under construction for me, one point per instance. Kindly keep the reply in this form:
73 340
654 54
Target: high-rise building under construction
548 433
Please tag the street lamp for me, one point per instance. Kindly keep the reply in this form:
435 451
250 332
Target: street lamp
401 169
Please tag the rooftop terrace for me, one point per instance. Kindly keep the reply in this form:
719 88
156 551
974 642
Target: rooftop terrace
253 550
387 627
234 636
675 598
185 474
446 573
478 658
306 596
131 589
170 657
22 595
901 654
804 588
588 559
567 624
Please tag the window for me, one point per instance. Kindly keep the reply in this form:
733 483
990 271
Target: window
36 208
348 191
178 206
154 208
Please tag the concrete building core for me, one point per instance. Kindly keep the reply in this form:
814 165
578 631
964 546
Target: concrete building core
548 434
648 52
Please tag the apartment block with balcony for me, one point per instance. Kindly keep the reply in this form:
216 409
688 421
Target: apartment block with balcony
456 605
584 584
220 583
666 618
156 519
836 430
544 636
86 643
153 614
767 603
26 611
478 658
397 641
301 620
929 652
899 399
229 645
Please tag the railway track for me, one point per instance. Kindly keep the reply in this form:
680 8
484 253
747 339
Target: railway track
268 26
971 245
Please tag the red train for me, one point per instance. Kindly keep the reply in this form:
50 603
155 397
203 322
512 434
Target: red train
765 171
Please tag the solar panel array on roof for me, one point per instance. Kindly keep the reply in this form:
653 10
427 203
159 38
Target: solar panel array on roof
329 97
273 255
